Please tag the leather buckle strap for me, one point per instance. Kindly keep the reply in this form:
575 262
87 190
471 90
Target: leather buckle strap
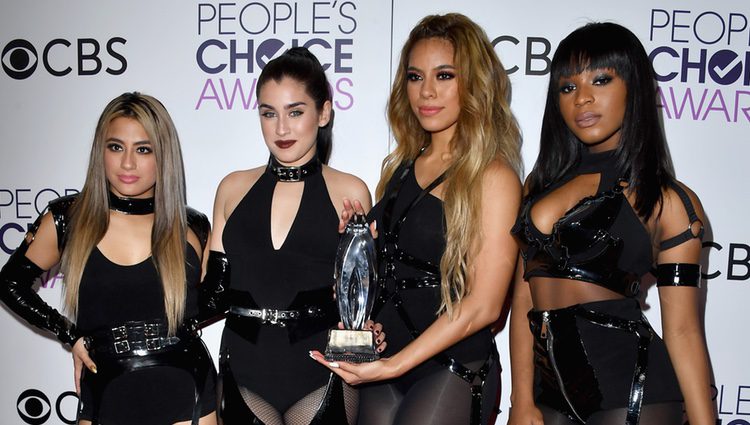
267 315
645 334
137 338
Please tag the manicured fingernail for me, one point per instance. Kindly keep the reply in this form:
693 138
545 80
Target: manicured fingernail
93 369
333 364
377 332
378 341
375 222
380 350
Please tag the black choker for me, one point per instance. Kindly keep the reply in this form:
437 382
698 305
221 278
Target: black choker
293 174
134 206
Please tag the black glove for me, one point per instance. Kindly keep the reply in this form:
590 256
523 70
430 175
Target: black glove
16 281
212 303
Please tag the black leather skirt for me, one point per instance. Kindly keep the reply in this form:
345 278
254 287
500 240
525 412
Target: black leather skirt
599 356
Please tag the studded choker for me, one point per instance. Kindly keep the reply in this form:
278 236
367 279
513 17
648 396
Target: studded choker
293 174
134 206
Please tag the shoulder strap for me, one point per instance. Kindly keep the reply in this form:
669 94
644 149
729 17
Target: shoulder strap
60 210
688 233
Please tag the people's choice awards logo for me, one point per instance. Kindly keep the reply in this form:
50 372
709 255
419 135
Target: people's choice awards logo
702 64
238 39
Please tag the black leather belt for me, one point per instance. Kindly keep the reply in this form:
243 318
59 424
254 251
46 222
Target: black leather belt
269 315
310 312
137 338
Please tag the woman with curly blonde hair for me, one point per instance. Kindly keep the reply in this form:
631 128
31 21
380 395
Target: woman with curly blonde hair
448 194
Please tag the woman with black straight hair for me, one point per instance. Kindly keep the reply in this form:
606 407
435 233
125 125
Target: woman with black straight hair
601 209
273 252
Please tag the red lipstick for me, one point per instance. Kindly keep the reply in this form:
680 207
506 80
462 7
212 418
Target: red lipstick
284 144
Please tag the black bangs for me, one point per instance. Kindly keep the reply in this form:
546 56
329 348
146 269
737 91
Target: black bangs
594 46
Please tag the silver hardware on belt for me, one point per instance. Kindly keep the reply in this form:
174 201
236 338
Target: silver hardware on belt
153 344
122 346
151 330
119 333
266 315
270 316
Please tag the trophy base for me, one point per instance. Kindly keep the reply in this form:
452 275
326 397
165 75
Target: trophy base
351 346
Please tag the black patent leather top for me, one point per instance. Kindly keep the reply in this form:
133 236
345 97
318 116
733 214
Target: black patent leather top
600 240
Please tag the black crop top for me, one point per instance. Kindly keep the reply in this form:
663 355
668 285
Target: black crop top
600 240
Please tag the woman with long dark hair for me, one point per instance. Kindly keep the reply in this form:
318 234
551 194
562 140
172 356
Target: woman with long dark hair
602 208
276 233
448 194
131 254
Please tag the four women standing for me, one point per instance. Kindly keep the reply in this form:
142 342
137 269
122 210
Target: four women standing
600 208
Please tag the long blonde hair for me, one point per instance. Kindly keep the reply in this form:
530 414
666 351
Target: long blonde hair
90 213
486 131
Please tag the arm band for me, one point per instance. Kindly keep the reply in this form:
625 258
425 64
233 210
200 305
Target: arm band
678 274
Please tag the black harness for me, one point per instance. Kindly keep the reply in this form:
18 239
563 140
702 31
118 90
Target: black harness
389 254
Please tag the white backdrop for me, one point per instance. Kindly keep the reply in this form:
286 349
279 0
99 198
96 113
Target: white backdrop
63 61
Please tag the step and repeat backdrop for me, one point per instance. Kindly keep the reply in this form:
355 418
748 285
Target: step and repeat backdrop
63 61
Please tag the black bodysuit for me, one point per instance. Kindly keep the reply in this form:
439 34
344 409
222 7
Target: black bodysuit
160 385
596 356
269 356
411 243
112 294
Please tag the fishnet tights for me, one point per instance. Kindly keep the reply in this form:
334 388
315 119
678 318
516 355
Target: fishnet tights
304 410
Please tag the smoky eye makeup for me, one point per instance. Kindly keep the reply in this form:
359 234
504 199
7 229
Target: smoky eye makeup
445 75
602 78
113 146
566 87
413 76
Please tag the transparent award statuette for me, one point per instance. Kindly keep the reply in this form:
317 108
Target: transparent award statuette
356 282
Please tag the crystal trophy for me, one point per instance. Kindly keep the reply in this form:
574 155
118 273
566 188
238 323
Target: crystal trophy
356 281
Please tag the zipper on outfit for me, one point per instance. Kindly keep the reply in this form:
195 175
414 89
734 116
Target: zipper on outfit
547 334
545 321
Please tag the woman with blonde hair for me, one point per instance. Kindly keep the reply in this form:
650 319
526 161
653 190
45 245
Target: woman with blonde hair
130 250
448 194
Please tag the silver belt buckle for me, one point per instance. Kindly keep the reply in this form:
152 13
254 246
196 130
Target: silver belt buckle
119 333
122 346
270 315
151 330
153 344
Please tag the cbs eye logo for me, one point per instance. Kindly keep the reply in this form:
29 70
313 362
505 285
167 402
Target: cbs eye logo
34 407
19 59
60 57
